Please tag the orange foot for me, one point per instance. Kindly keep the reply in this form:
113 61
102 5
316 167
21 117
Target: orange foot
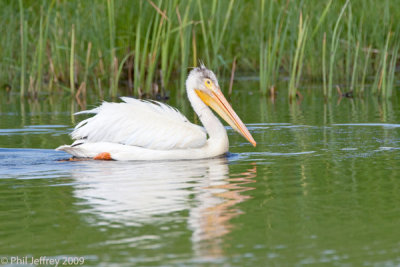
103 156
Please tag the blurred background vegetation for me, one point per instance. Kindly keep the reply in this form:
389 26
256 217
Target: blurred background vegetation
146 47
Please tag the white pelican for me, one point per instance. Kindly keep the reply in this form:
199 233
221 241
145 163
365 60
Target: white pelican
150 130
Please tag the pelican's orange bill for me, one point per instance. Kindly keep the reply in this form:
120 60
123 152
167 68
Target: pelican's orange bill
219 104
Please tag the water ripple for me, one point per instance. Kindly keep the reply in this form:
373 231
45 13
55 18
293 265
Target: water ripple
385 125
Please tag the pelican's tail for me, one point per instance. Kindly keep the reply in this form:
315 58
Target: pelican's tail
76 150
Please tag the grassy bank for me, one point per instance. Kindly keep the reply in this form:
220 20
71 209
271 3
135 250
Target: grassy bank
113 47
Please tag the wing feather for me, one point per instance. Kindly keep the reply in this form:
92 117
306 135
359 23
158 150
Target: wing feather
148 124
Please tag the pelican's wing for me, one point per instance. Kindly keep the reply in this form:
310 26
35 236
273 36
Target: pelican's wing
152 125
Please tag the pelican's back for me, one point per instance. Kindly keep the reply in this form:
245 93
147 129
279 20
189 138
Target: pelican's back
147 124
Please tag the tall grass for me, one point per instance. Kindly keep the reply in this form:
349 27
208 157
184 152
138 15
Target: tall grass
184 37
297 64
385 78
113 58
23 37
142 47
72 61
333 49
272 40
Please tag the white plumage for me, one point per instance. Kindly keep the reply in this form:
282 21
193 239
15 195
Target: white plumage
149 130
147 124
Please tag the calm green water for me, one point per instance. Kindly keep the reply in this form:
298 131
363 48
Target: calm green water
321 187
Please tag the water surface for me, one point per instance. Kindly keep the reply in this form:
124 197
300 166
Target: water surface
322 186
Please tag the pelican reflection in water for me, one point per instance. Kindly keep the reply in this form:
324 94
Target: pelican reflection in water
203 193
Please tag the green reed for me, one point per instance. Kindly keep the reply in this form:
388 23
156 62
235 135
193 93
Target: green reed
169 48
380 86
391 81
354 74
272 49
24 37
297 64
334 47
184 35
385 78
141 46
364 70
113 58
72 61
137 50
324 86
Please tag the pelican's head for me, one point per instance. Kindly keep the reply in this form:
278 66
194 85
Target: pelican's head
205 84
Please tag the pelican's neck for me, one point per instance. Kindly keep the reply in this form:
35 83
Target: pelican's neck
215 129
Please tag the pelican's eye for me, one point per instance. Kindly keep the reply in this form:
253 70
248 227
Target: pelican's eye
208 83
